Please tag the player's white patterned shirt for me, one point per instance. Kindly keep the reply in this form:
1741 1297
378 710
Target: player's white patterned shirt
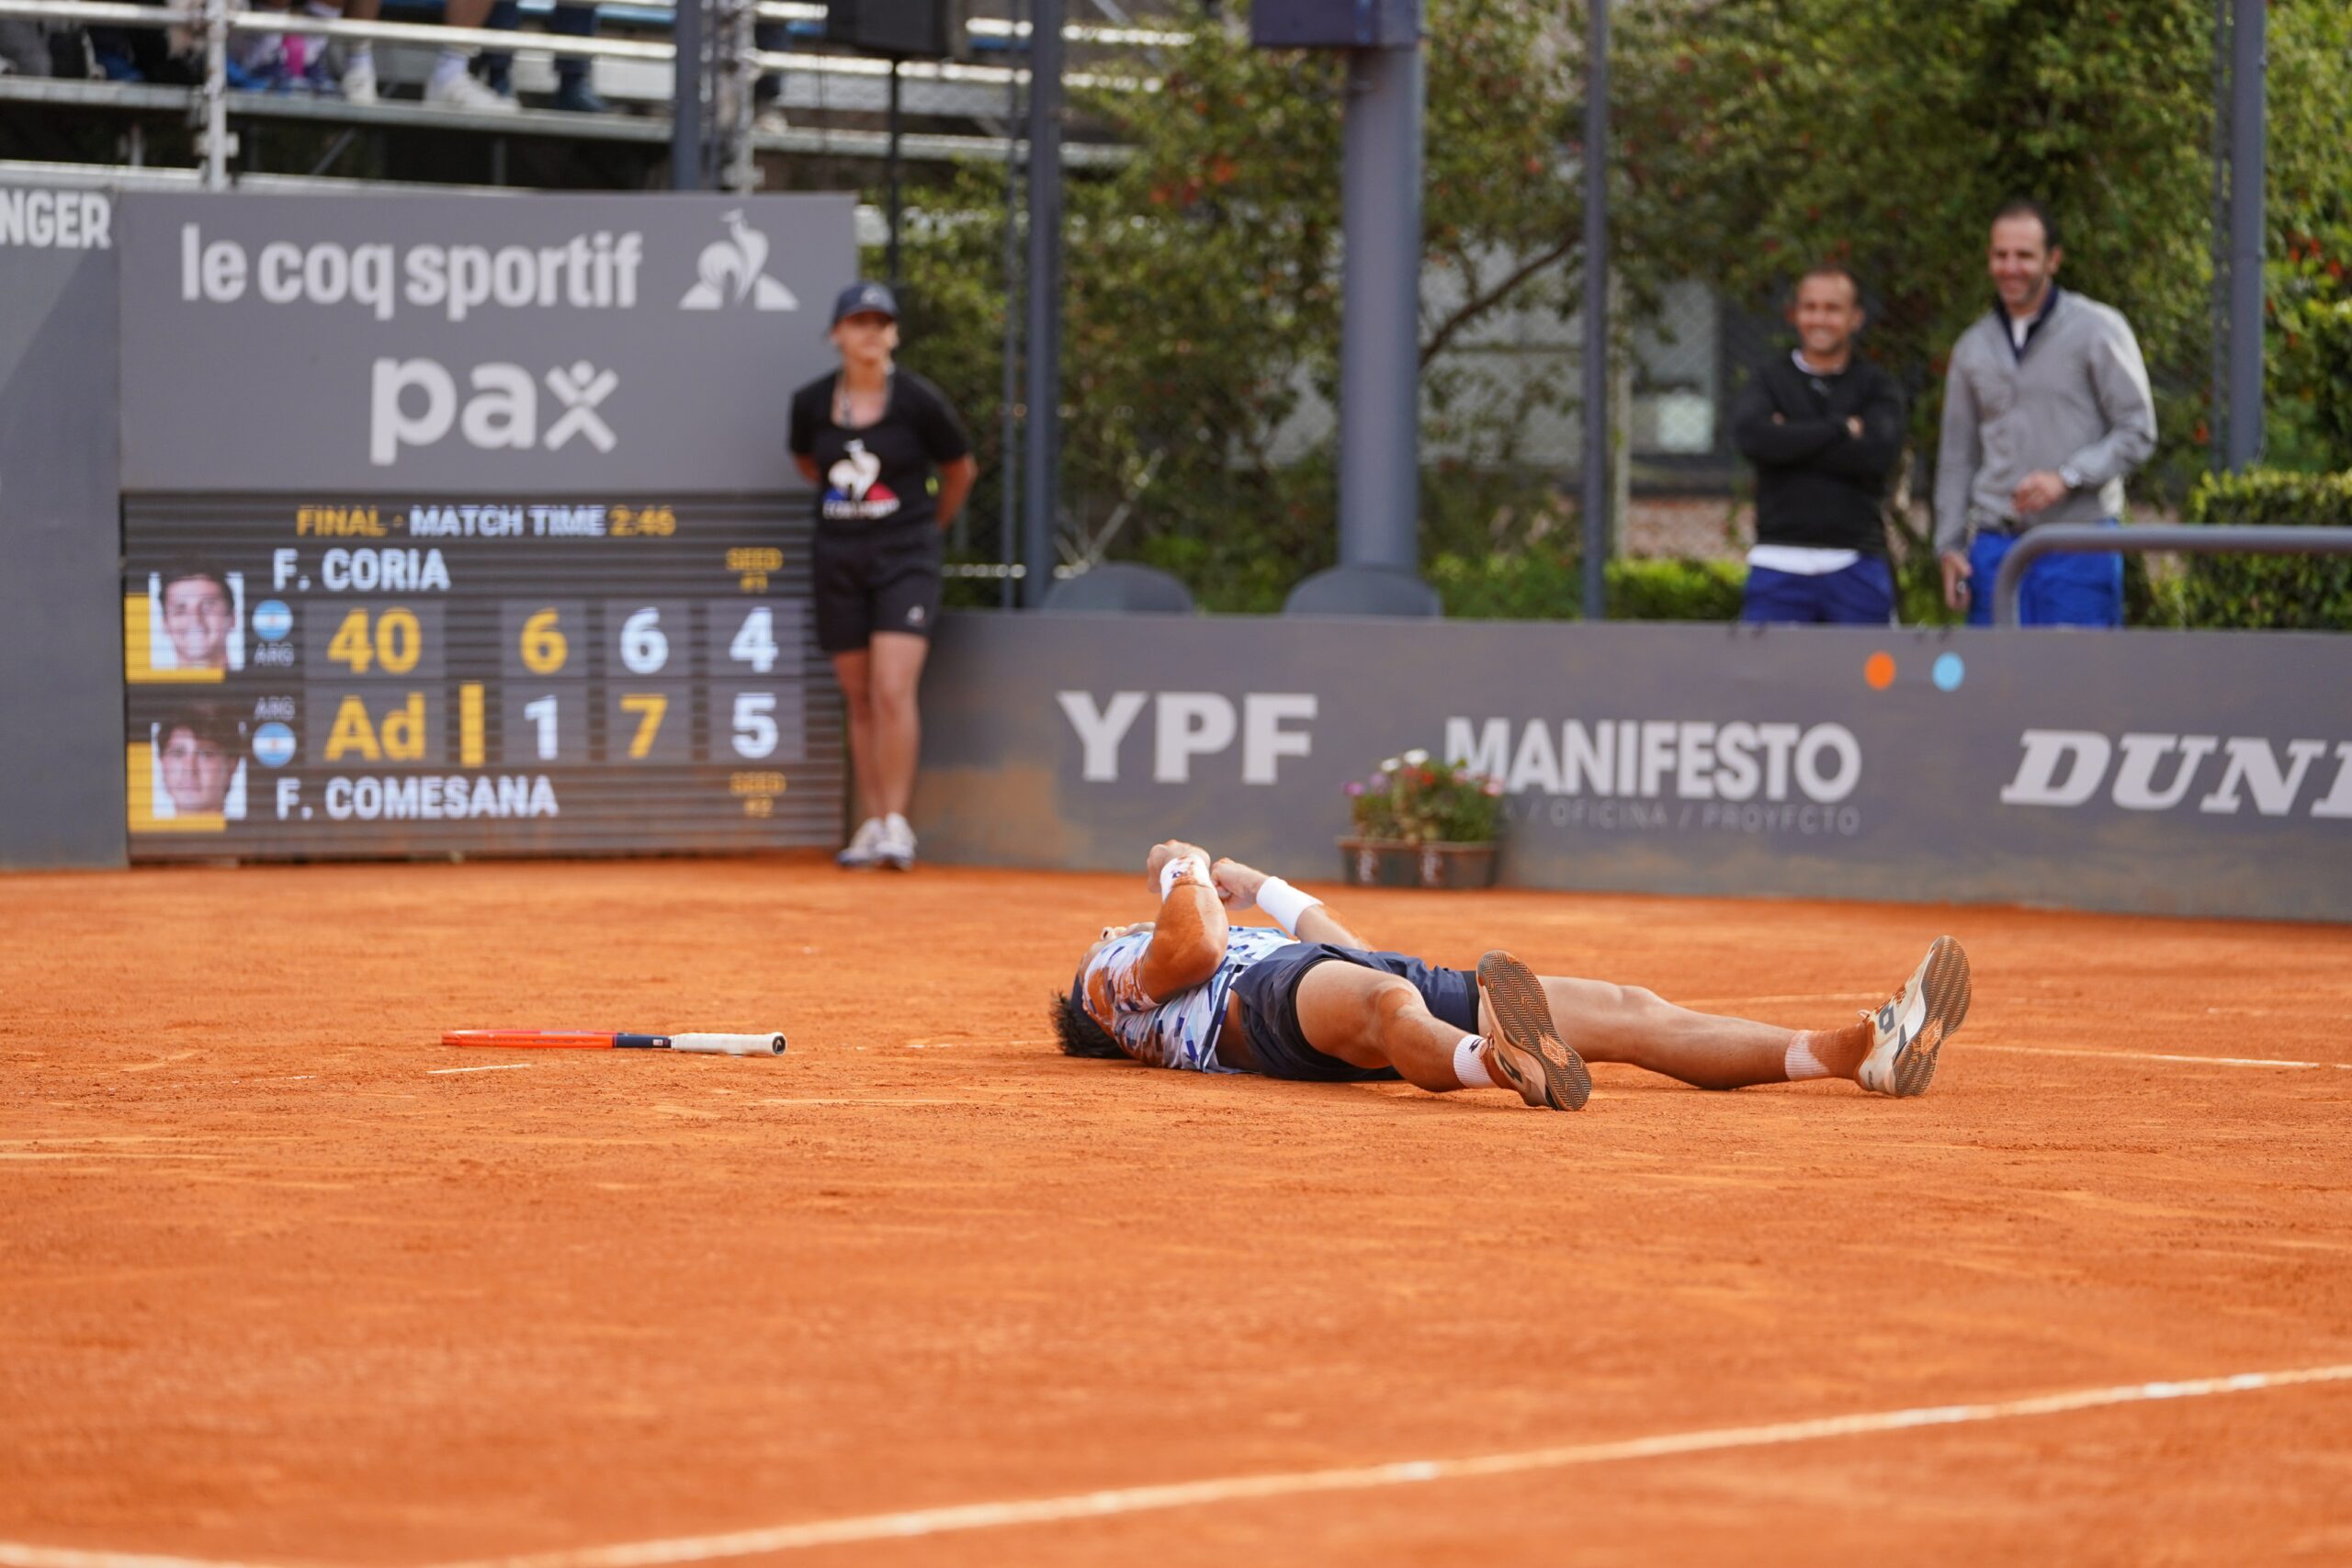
1181 1032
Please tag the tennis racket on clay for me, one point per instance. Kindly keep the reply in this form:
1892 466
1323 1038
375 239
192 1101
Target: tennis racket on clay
601 1040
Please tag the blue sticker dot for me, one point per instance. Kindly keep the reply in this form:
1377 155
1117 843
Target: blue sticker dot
1950 671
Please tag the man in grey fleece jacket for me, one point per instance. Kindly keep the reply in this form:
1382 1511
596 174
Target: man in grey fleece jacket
2046 408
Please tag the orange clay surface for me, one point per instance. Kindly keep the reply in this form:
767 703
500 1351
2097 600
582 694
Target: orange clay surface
279 1285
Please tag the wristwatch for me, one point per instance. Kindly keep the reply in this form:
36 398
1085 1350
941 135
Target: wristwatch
2068 477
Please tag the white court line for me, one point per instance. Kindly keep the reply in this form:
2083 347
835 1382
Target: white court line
1290 1484
15 1556
2156 1056
493 1068
1238 1488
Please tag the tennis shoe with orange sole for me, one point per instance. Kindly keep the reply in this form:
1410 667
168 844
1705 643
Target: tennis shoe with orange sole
1908 1031
1524 1050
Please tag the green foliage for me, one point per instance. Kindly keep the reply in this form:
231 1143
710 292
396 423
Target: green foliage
2308 421
1548 585
1202 295
1416 801
1675 590
2271 593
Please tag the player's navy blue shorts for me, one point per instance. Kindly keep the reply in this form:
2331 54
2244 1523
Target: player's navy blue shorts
1269 992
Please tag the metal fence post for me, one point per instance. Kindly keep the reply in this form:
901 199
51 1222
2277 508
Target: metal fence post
1043 488
213 140
1595 524
739 85
686 97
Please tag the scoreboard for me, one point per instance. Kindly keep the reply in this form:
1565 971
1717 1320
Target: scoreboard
404 675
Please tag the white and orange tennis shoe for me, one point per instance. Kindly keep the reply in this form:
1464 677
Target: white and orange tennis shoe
1915 1022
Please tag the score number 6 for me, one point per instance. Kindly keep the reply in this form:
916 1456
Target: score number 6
544 646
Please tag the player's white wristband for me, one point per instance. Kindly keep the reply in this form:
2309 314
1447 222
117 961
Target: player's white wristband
1285 903
1183 868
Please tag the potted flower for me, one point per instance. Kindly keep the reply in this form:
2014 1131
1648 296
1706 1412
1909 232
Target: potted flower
1423 824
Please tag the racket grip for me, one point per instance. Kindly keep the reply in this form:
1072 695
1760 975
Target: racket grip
730 1044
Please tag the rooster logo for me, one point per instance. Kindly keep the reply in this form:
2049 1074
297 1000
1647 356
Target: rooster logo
853 493
734 269
856 473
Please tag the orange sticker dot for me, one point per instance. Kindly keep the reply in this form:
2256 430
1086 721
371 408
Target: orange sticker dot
1879 671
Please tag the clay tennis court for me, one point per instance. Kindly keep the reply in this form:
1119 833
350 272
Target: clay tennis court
287 1282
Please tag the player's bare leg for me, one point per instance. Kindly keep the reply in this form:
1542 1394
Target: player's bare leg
1892 1051
1368 1018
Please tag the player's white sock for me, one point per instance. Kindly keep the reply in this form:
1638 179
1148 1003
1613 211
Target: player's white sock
447 68
1800 1063
1470 1062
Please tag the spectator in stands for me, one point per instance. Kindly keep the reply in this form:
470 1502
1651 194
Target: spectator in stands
23 48
1824 429
451 85
2046 408
767 89
574 89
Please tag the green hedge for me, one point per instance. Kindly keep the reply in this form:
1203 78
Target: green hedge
1537 586
2271 593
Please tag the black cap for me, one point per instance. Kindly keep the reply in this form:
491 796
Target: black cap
860 297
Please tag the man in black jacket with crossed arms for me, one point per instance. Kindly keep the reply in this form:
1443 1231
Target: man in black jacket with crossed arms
1824 428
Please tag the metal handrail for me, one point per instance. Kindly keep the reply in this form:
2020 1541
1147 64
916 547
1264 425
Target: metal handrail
110 13
2194 539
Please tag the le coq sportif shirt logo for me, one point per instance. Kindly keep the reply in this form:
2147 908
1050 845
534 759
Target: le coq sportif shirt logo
854 488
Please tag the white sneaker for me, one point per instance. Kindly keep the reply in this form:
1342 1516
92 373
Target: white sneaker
462 92
863 846
897 851
360 82
1915 1022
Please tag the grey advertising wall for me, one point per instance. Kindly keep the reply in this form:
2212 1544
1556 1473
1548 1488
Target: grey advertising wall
466 523
61 638
494 345
2206 773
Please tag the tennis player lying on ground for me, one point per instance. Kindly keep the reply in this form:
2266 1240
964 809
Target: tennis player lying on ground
1190 991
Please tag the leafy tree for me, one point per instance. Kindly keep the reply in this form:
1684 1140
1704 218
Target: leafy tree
1203 294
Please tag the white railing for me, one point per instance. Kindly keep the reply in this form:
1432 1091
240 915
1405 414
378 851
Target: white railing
739 61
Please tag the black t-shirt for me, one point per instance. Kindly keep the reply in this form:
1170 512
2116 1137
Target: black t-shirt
883 474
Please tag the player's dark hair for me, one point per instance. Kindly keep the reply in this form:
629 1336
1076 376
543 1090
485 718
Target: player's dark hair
1828 269
205 721
2026 206
183 569
1080 1035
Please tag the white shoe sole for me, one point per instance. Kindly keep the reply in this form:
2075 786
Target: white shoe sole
1912 1027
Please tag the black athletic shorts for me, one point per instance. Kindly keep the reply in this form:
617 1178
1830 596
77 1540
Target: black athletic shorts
881 581
1269 992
